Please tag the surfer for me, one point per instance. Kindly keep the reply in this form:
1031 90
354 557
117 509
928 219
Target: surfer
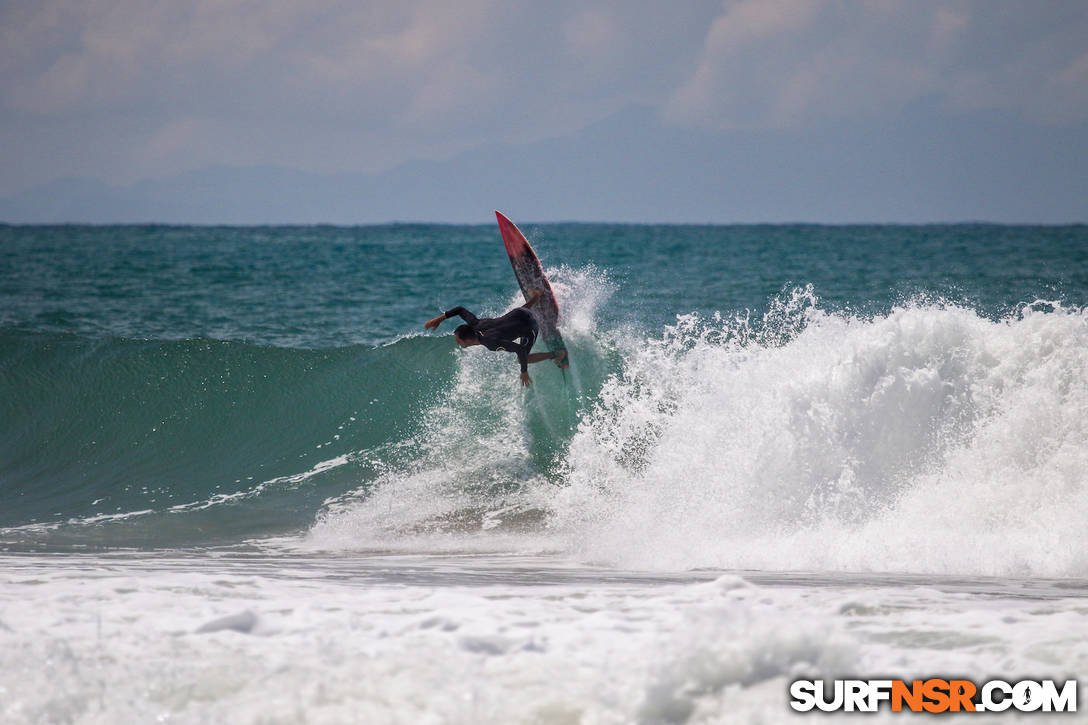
513 332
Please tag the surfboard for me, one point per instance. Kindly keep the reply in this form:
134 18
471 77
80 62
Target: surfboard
530 276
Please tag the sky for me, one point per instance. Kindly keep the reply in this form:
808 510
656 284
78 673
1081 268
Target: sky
251 111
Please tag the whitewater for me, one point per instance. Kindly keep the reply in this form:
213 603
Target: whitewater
240 483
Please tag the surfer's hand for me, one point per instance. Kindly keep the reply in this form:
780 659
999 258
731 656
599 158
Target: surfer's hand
525 379
434 323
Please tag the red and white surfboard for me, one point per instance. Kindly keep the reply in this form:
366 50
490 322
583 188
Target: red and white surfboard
530 276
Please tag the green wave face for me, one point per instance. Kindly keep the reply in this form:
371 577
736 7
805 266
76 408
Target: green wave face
737 396
92 429
115 442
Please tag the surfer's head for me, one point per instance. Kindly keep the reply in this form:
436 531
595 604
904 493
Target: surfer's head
466 336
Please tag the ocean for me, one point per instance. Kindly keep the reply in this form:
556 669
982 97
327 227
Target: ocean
240 483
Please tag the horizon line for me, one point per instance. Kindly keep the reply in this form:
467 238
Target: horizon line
558 222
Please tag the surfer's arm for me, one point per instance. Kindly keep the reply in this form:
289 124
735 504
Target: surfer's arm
465 315
523 358
520 350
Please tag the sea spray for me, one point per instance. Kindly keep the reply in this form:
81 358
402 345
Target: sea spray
927 439
894 408
488 453
311 426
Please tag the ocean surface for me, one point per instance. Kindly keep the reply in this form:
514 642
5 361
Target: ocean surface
240 483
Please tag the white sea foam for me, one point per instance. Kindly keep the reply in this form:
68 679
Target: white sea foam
469 640
475 467
928 438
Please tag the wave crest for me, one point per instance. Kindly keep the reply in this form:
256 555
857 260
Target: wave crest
927 439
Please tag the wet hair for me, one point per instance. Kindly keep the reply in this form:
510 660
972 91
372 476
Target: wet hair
466 332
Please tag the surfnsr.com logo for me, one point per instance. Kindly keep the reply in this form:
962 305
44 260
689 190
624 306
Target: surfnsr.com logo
933 695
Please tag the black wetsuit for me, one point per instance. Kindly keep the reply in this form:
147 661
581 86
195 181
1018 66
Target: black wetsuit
513 332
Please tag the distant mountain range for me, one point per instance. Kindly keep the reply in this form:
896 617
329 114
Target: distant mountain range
630 167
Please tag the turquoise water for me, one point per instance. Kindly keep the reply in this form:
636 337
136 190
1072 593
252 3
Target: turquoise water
178 386
239 482
323 287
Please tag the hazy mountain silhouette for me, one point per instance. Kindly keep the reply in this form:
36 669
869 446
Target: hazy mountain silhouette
630 167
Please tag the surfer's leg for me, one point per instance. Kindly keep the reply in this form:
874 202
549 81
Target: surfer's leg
539 356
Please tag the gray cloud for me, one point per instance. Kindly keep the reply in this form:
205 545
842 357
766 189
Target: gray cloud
321 86
127 89
786 62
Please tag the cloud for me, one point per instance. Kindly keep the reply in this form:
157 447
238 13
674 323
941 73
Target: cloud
594 36
124 89
177 138
323 86
785 63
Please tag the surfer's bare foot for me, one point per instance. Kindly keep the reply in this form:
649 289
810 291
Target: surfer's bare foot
560 355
